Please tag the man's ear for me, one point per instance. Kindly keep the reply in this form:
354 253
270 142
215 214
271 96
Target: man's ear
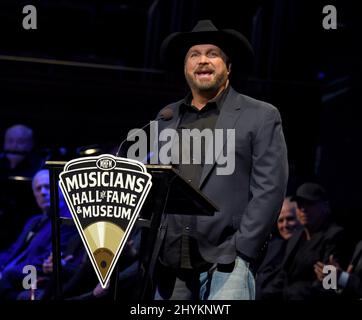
229 68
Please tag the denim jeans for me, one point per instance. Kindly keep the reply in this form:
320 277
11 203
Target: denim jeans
235 284
222 282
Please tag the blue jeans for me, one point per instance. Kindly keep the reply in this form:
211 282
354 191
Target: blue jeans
222 282
235 284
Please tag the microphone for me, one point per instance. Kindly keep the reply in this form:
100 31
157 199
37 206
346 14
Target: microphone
165 114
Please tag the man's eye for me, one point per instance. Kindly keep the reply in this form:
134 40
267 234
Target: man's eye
213 54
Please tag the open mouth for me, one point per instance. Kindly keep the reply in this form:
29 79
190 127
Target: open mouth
204 74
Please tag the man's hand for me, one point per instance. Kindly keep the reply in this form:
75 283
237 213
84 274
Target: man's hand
319 266
48 263
98 291
350 268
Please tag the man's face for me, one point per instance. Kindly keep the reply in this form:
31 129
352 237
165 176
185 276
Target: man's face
205 68
287 221
17 139
41 190
311 215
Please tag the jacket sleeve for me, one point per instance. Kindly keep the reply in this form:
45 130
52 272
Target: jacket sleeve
354 286
268 182
7 255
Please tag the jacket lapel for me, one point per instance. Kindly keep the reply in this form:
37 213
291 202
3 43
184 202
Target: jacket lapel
292 244
357 258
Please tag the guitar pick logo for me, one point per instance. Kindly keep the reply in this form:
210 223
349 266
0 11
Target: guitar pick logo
105 195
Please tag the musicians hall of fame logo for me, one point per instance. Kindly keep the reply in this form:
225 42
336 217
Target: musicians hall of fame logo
104 194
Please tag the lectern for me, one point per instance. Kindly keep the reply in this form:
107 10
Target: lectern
170 194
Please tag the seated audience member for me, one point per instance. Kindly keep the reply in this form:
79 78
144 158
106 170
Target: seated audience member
349 282
287 221
287 225
316 241
18 158
34 243
79 280
72 259
18 164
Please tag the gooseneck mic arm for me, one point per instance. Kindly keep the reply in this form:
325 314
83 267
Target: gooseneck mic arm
165 114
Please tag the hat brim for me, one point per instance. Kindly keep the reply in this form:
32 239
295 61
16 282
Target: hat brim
304 199
233 43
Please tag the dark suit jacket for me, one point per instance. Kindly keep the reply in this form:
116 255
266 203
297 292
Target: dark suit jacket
38 248
354 285
296 278
249 200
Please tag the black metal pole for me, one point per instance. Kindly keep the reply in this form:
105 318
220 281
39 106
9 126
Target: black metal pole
151 251
55 221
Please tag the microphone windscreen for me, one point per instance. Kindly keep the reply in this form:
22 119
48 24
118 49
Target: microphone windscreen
166 113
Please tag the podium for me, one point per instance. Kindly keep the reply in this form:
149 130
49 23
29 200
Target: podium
170 194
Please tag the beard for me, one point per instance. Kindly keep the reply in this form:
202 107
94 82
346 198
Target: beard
205 85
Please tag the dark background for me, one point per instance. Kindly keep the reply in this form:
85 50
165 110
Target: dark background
91 72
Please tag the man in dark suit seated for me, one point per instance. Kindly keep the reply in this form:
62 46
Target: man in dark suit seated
349 282
319 238
287 225
18 164
33 245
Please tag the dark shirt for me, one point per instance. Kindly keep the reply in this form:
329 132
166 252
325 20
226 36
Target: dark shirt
180 248
193 118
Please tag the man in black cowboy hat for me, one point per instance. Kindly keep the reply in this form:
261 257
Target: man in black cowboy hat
211 257
318 241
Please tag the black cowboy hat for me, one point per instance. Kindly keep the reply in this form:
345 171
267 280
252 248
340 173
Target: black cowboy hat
233 43
310 192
